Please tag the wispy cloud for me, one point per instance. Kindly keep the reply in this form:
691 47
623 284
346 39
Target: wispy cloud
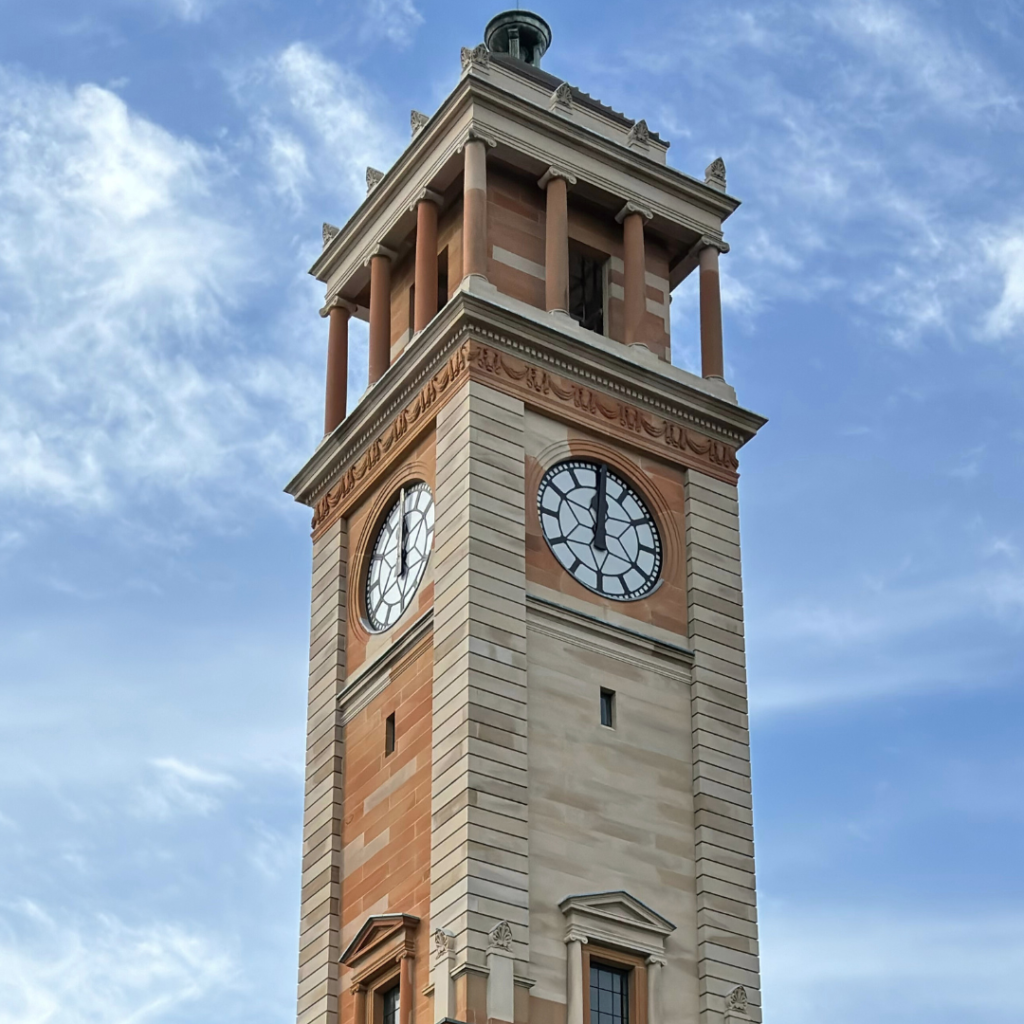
101 971
181 788
396 20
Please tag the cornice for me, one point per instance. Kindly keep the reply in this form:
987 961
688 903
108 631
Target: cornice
430 140
591 385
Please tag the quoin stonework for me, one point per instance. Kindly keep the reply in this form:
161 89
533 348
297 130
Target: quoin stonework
527 771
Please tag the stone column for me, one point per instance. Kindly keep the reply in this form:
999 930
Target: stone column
632 217
654 967
711 358
406 995
359 1004
500 974
474 209
338 311
426 259
320 928
380 313
556 239
444 986
574 980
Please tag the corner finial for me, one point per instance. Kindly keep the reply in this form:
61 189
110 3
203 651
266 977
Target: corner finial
477 57
330 233
373 178
714 174
639 134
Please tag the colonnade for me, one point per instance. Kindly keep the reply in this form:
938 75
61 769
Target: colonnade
555 182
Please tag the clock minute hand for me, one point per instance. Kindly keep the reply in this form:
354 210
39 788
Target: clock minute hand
601 512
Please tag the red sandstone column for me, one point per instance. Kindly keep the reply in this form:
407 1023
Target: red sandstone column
474 209
635 261
426 260
380 314
711 359
337 363
556 240
405 992
359 1002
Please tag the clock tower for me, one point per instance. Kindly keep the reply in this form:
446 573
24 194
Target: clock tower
527 774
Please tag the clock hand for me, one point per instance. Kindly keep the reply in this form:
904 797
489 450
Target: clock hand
403 562
601 512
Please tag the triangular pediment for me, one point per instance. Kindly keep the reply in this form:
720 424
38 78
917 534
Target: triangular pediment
618 907
376 932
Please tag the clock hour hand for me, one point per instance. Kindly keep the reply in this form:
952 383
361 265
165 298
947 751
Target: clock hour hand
601 512
403 561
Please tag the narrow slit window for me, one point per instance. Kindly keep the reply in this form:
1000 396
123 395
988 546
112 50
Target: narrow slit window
608 708
442 278
389 734
412 308
586 290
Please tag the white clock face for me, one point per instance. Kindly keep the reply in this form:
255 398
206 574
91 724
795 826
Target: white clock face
399 556
599 529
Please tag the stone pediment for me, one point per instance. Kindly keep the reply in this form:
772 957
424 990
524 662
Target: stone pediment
618 919
380 935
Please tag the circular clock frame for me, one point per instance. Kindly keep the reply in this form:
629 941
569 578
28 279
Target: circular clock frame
629 566
398 556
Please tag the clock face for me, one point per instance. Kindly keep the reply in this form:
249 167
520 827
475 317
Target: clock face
400 553
599 529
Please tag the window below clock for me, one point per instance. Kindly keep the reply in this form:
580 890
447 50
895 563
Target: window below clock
586 289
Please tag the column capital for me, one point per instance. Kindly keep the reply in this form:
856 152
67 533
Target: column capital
405 954
574 936
380 250
556 172
712 242
337 302
426 195
476 134
357 988
632 207
655 961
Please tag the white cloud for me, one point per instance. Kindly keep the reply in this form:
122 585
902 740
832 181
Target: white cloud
101 971
1005 253
321 125
181 788
848 965
396 20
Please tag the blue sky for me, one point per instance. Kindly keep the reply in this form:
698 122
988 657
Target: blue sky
164 171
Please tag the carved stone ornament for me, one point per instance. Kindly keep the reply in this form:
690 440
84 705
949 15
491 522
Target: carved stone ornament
500 936
478 56
417 121
330 233
714 174
538 388
737 999
373 178
443 942
562 97
639 134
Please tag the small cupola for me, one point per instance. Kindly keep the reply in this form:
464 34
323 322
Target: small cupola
520 34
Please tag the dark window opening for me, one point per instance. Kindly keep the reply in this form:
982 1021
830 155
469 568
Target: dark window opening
609 995
608 708
442 278
586 290
389 734
391 1005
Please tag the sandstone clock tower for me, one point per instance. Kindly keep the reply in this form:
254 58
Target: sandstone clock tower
527 776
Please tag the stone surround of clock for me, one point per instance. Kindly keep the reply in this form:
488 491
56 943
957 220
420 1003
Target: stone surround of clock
533 769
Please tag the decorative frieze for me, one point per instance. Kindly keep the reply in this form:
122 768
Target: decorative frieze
539 388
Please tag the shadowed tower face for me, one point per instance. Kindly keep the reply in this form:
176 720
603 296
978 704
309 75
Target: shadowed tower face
527 776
